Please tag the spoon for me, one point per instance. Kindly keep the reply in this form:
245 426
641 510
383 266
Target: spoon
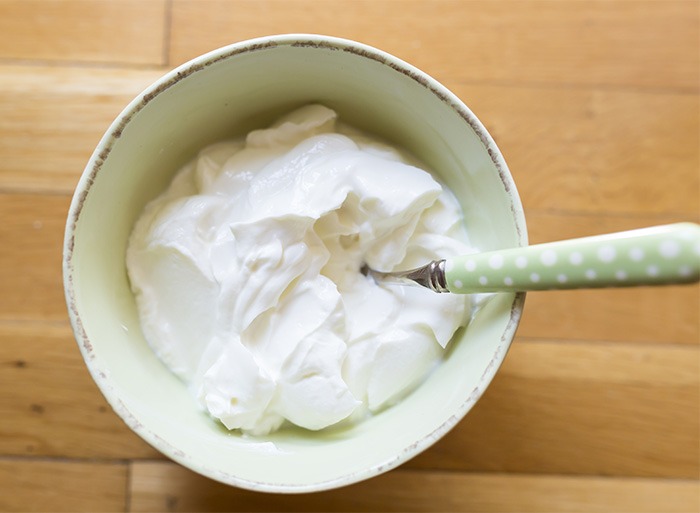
659 255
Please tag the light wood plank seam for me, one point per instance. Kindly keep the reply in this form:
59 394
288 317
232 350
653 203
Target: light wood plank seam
523 339
39 191
451 472
167 31
87 64
673 346
401 469
670 217
128 486
20 458
38 323
662 217
166 66
572 476
571 86
609 343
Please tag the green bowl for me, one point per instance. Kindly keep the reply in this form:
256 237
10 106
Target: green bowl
228 92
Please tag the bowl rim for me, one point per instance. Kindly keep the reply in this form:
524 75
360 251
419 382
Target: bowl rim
195 65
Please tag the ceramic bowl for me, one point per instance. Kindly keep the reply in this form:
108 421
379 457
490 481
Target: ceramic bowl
228 92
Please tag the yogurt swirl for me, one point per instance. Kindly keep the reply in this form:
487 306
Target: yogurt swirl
246 274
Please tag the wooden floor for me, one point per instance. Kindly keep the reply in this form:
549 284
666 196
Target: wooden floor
595 105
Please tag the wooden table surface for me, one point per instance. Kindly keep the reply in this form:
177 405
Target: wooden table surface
595 106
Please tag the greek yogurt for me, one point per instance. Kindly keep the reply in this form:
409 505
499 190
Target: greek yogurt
246 273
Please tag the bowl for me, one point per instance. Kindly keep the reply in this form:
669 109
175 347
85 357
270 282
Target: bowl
228 92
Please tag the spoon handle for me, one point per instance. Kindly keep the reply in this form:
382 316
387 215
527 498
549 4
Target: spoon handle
650 256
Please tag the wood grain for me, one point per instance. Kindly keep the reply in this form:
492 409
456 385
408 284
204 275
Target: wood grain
596 107
167 487
31 285
554 407
51 119
52 406
639 44
582 408
41 485
128 31
590 150
570 150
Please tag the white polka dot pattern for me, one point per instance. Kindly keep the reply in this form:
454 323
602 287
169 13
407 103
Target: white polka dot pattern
549 257
665 254
576 258
636 254
607 253
496 261
669 248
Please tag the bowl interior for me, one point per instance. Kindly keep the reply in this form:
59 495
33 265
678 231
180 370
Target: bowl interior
224 94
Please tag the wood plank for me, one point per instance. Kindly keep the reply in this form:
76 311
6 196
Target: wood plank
168 487
596 106
554 407
27 485
31 232
644 314
595 150
51 119
582 408
614 43
591 150
54 408
51 406
127 31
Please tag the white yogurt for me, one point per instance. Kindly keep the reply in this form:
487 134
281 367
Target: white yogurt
246 274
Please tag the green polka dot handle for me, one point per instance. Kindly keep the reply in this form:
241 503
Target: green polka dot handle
650 256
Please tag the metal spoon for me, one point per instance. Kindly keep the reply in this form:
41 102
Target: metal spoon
659 255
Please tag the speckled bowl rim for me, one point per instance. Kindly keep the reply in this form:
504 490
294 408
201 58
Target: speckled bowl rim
196 65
